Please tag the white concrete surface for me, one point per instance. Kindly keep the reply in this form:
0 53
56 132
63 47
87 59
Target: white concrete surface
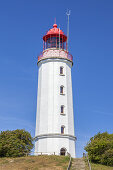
48 137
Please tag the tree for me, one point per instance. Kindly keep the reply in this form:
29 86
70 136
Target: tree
15 143
100 148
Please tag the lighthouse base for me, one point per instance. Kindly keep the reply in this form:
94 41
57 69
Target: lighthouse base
55 144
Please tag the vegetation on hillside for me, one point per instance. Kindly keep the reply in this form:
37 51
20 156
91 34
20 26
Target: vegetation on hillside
15 143
35 163
100 149
100 167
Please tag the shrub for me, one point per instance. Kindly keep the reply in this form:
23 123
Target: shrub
107 157
15 143
100 148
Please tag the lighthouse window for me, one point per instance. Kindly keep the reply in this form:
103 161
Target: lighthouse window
61 89
62 109
61 70
62 129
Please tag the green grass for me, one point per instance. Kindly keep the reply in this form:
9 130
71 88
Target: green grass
98 166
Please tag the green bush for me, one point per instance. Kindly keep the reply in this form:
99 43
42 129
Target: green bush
100 148
15 143
107 157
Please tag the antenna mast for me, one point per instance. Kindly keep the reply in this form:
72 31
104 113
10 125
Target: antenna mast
59 38
68 14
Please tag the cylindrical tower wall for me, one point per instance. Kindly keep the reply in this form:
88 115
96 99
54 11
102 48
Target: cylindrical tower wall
49 101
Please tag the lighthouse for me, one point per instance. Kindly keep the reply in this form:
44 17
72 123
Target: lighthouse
54 117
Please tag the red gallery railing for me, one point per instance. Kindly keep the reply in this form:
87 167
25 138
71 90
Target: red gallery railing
67 56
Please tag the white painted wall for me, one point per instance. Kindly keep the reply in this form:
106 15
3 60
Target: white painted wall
51 145
48 119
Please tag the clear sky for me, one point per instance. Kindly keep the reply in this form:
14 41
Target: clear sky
22 25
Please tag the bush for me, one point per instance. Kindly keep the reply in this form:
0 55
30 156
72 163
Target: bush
100 148
15 143
107 157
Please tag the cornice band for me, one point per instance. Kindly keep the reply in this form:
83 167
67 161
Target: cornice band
55 58
55 135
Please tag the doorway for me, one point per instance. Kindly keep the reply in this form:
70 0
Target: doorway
63 151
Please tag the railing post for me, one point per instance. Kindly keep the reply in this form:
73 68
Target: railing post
69 165
89 163
84 155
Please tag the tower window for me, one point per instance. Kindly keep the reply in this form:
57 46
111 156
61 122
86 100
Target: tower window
62 109
61 70
61 89
62 129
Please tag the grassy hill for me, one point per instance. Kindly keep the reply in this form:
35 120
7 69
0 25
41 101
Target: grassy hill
35 163
42 163
98 167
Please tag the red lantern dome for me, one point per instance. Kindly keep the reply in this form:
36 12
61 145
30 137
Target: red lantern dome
55 38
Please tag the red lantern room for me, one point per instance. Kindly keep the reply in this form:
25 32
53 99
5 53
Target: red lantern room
55 45
55 38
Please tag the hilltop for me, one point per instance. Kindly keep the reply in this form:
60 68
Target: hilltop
47 163
35 163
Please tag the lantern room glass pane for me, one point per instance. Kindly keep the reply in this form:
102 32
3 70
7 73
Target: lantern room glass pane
53 42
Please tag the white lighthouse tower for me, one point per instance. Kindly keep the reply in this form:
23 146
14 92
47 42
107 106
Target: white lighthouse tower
54 118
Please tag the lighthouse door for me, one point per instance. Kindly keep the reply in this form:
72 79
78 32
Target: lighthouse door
62 151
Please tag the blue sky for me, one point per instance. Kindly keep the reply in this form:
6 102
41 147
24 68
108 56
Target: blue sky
22 25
